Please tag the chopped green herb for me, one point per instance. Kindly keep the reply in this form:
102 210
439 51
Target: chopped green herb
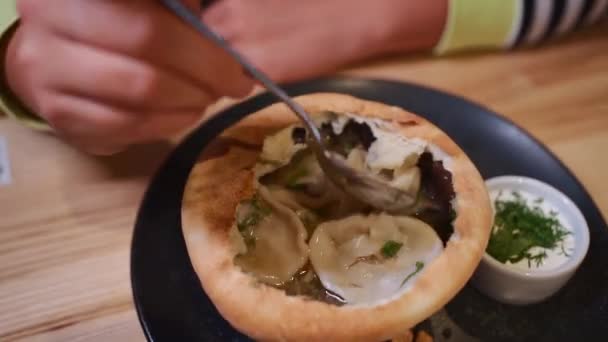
258 210
419 266
249 221
260 206
297 187
249 239
538 258
269 161
391 248
293 181
348 146
309 220
519 228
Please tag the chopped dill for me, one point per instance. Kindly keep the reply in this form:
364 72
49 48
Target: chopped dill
519 227
260 206
293 181
537 258
391 248
563 251
257 212
419 266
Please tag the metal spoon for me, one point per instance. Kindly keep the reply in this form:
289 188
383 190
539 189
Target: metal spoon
365 187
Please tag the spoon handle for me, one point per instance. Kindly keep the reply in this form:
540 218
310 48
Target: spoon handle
186 15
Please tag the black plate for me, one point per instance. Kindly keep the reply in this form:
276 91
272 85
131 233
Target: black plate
173 307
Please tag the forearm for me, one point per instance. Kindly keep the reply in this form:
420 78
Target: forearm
414 25
448 26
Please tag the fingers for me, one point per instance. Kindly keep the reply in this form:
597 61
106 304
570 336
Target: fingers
109 74
112 78
98 101
146 30
100 129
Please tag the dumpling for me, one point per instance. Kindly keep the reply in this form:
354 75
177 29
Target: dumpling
280 147
271 239
391 151
366 259
407 179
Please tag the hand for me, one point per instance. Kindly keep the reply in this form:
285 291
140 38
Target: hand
108 74
294 39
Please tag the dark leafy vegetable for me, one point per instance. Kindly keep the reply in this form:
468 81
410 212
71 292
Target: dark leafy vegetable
353 135
391 248
519 227
438 190
293 180
419 266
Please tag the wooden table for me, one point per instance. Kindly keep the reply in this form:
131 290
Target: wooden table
66 219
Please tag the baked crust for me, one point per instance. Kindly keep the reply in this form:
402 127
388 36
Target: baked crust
223 176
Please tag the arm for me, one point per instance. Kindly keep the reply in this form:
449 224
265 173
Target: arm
319 36
293 40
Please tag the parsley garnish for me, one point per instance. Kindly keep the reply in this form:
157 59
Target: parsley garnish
519 227
293 181
391 248
257 212
309 220
419 266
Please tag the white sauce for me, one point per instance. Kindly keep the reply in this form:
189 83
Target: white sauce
555 257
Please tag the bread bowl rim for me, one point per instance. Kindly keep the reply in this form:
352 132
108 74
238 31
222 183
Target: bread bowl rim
267 313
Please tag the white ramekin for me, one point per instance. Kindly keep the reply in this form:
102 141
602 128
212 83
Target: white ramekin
511 285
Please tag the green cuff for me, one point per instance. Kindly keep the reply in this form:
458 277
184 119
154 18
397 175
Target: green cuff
479 25
9 103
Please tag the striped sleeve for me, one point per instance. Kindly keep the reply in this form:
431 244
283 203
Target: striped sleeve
507 24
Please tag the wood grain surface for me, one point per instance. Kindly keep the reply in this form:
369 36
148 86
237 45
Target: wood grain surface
66 219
